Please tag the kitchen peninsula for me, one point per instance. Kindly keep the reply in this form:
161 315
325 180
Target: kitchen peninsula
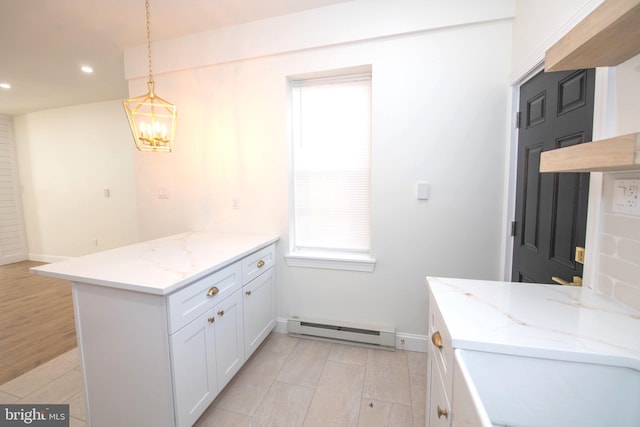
164 325
530 354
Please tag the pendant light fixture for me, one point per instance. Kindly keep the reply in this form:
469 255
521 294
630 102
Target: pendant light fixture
151 118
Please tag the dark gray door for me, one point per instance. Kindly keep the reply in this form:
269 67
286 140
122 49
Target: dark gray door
556 110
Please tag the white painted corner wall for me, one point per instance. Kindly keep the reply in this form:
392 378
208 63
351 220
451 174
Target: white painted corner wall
67 157
441 75
440 96
538 25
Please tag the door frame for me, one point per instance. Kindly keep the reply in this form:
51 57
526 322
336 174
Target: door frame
603 127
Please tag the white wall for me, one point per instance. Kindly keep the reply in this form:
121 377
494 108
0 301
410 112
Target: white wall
538 25
66 158
440 79
619 254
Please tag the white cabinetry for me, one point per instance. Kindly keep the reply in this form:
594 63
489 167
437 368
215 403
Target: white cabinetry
465 408
438 406
206 354
207 343
259 298
440 370
195 380
508 349
210 350
228 325
260 303
158 359
448 397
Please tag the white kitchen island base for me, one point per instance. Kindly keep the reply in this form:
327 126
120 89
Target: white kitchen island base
157 347
530 354
125 356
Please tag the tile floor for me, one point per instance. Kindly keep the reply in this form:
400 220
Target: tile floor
57 381
287 382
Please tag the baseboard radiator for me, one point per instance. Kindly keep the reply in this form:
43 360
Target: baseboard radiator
382 338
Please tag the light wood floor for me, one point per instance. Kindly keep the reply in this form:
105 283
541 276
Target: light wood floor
36 319
287 382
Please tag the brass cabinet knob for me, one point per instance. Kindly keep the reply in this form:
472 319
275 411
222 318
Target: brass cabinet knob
436 339
442 412
260 264
247 293
211 319
213 291
221 313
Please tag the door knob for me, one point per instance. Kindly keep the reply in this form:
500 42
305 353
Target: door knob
577 281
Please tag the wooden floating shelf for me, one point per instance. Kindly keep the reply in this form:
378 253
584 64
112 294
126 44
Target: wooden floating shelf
607 155
607 37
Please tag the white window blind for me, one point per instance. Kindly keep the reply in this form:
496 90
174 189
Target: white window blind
331 120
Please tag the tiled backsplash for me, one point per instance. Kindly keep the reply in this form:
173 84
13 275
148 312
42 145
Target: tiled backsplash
619 270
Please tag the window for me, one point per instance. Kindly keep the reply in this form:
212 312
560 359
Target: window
331 178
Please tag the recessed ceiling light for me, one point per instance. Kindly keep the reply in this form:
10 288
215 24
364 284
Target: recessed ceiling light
5 86
86 69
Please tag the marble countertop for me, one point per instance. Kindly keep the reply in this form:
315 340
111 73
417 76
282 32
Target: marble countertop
158 266
559 322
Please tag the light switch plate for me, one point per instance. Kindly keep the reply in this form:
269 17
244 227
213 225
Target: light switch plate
422 191
625 196
163 193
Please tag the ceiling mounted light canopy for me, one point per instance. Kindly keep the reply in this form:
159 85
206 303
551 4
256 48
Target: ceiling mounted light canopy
152 119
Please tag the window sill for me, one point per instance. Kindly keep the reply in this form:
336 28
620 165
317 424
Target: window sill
331 260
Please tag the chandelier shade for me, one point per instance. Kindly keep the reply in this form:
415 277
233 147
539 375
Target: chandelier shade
152 119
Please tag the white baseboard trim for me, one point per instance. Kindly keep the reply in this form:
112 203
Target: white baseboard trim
412 342
46 258
404 341
281 325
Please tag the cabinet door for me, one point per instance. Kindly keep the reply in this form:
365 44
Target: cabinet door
259 310
194 368
439 410
229 338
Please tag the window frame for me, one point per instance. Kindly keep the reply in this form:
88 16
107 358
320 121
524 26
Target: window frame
317 258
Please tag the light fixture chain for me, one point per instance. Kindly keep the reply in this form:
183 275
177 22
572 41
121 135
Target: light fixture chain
152 119
149 41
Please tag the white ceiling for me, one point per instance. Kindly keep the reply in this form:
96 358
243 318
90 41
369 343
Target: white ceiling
43 43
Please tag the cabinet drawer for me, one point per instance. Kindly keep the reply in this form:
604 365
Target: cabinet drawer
190 302
440 346
257 263
439 408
